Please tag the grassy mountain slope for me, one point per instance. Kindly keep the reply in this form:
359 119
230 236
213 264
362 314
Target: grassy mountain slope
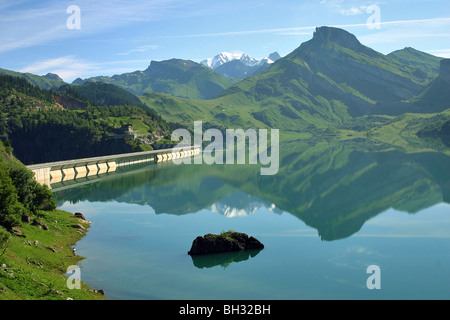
426 63
339 55
324 86
433 98
180 78
49 81
217 113
324 83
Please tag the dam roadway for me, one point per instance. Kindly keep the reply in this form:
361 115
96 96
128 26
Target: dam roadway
55 172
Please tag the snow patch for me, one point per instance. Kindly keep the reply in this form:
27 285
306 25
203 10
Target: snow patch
225 57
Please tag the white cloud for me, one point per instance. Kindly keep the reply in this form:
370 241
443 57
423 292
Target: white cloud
428 34
338 6
140 49
68 68
5 4
443 53
296 33
431 23
12 41
398 36
44 22
352 11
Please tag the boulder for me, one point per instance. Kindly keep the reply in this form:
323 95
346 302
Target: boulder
225 242
17 232
79 216
40 224
78 226
26 218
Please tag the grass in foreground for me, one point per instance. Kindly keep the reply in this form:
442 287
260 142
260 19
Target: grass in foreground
37 263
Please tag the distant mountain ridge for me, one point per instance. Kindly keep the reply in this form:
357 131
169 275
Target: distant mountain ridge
239 65
177 77
433 98
225 57
48 81
336 66
324 83
423 61
339 55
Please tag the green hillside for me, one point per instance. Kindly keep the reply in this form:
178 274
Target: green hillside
49 81
101 94
40 129
218 113
180 78
324 84
433 98
35 239
425 62
330 85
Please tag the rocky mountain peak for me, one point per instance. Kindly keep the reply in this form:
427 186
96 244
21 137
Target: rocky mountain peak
53 76
336 35
172 64
274 56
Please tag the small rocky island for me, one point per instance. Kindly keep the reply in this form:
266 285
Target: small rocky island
225 242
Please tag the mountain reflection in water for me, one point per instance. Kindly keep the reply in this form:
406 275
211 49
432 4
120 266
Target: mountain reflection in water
333 187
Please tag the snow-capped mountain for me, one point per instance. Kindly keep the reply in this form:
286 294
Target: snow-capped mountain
240 204
225 57
239 65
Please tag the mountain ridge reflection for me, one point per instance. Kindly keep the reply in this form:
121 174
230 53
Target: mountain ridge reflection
332 186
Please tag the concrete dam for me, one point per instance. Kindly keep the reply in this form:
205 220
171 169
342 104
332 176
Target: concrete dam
61 171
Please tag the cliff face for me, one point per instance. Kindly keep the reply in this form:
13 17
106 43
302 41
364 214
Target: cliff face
340 37
69 103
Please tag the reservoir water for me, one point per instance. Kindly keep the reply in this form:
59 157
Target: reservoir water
333 210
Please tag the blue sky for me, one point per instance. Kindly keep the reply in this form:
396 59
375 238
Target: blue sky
124 36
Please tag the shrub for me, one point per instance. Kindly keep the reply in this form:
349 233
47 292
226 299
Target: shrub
10 209
20 194
11 216
31 194
24 183
44 199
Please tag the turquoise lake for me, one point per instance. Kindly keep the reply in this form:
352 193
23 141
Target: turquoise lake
333 210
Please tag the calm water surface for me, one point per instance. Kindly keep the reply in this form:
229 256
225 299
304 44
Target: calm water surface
332 210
